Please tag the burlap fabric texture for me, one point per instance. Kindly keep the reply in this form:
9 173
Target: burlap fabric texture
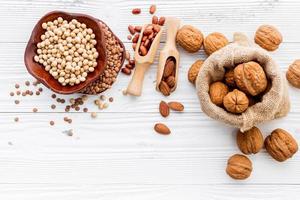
275 103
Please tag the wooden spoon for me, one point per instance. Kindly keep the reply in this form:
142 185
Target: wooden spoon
142 64
168 51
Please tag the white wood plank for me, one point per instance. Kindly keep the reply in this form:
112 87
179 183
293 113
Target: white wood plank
207 15
123 148
140 191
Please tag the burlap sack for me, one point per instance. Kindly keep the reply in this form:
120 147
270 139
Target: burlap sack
274 104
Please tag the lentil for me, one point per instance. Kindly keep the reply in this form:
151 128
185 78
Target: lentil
93 114
52 123
17 101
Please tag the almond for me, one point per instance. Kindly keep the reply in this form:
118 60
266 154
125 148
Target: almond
171 81
162 129
164 109
169 67
177 106
164 88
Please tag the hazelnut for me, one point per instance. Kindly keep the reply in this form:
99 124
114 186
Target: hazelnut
236 101
293 74
268 37
229 78
251 141
281 145
239 167
217 91
194 70
189 38
214 42
250 78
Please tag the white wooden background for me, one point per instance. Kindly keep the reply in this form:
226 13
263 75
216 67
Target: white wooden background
118 155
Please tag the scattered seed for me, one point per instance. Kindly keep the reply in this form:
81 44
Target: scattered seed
53 106
62 101
93 114
53 96
35 110
129 37
30 93
102 97
111 99
136 11
17 86
85 109
105 105
37 93
52 123
152 9
77 108
11 94
10 143
23 94
17 101
16 119
70 121
18 92
67 109
27 83
97 102
66 119
41 89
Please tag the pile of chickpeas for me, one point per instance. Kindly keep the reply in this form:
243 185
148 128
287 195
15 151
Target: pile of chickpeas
67 51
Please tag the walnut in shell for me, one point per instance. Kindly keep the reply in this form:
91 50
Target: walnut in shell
214 42
217 92
229 78
189 38
194 70
239 167
236 101
281 145
268 37
293 74
250 78
251 141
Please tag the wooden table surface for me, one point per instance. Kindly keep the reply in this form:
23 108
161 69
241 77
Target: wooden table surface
118 155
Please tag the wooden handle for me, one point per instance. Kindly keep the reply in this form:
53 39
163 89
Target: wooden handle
135 86
172 24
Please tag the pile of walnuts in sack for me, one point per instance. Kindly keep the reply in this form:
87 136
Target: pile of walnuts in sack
240 84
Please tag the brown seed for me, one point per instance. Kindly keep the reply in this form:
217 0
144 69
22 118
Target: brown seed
154 19
23 94
93 114
126 71
16 119
77 108
18 92
171 81
53 106
85 109
164 88
176 106
136 11
143 50
138 28
41 89
51 123
70 121
66 119
164 109
27 83
161 21
129 66
135 38
35 110
37 93
11 94
53 96
132 62
30 93
62 101
169 68
162 129
111 99
17 86
129 37
152 9
131 29
17 101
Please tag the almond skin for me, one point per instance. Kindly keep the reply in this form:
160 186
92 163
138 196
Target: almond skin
162 129
177 106
164 88
164 109
169 68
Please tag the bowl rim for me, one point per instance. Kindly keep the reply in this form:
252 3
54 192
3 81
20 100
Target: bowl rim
43 79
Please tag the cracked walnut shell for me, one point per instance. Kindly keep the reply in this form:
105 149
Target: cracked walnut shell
217 92
250 78
293 74
214 42
194 70
281 145
251 141
268 37
236 101
229 78
189 38
239 167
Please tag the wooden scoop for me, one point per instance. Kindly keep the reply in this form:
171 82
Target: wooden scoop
142 63
168 51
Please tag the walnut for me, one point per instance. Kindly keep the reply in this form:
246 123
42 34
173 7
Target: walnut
189 38
239 167
214 42
217 91
281 145
236 101
229 78
251 141
268 37
194 70
250 78
293 74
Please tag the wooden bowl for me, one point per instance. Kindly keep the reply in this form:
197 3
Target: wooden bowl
38 71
